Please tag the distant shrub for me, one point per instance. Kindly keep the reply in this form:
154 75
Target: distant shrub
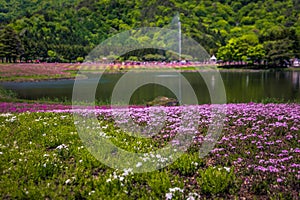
80 59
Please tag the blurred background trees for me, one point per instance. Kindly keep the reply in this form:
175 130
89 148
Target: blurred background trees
241 30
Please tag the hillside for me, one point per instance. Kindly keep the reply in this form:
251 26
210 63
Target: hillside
66 30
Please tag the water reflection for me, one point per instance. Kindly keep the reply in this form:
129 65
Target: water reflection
296 80
240 87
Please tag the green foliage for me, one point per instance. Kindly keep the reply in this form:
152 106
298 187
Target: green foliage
80 59
42 156
215 180
10 44
7 94
133 58
242 48
154 57
73 28
272 100
260 188
187 164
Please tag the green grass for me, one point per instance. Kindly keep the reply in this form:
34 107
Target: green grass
292 69
36 78
32 167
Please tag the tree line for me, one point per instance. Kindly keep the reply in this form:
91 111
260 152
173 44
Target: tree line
275 49
66 31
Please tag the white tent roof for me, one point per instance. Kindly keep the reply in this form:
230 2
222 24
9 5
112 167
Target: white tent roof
213 58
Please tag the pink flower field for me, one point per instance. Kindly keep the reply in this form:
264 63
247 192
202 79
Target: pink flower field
46 71
260 142
23 70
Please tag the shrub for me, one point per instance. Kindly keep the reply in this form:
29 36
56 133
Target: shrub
80 59
215 180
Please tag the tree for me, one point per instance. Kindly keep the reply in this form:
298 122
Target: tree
256 53
154 57
244 48
29 45
279 52
2 51
65 26
11 47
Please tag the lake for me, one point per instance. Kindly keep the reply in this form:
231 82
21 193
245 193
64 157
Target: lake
240 86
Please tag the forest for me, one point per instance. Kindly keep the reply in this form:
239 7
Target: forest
253 31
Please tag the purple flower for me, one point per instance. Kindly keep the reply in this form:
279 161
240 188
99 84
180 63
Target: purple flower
297 150
261 168
295 165
279 180
285 151
273 169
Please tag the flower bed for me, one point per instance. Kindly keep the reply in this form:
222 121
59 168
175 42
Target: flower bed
257 156
23 72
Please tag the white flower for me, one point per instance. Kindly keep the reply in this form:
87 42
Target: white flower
145 159
1 153
81 147
115 175
176 189
108 180
127 172
105 127
169 195
192 196
121 178
45 165
91 192
80 161
139 164
68 181
6 115
227 169
46 155
62 146
14 118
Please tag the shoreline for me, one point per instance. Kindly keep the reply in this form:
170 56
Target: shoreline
163 70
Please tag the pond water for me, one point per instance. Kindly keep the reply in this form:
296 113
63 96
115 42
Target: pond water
245 86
